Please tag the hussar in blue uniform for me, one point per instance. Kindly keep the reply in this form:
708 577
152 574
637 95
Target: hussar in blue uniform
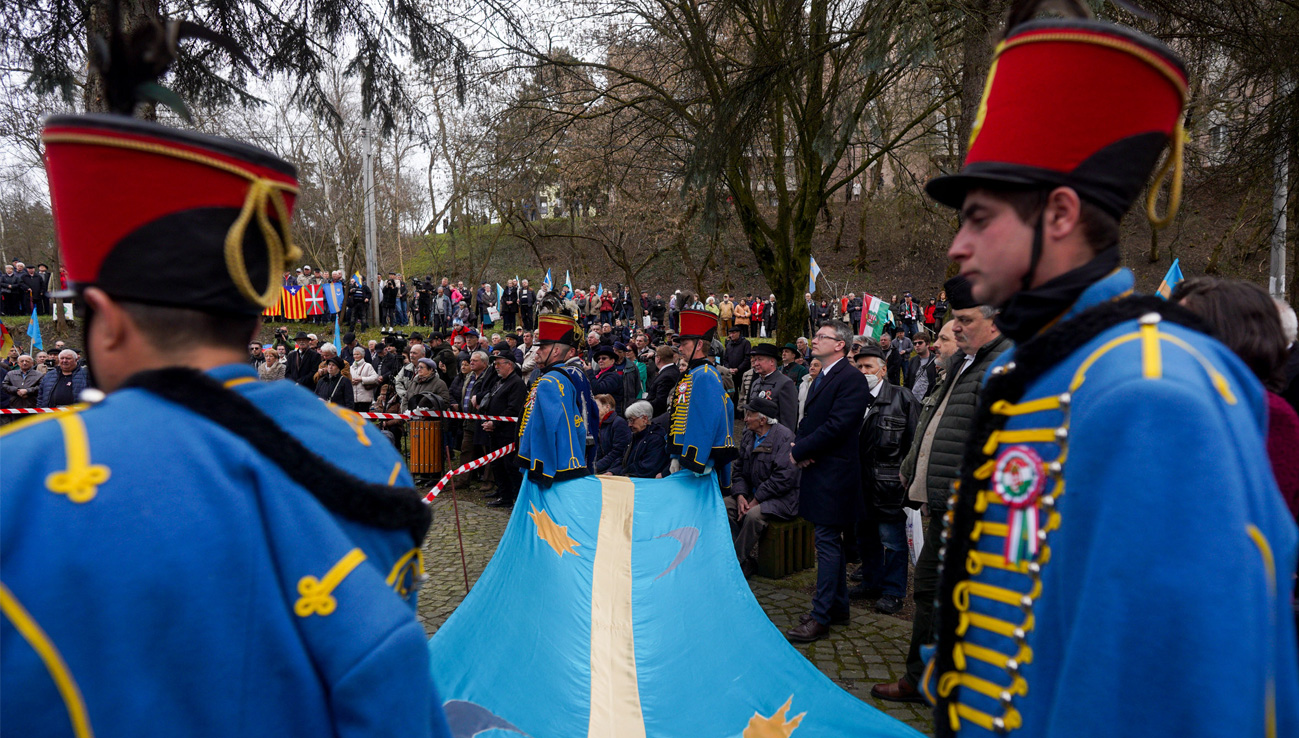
1117 560
556 436
199 554
701 437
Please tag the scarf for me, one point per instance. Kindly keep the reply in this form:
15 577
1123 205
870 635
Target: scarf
1030 311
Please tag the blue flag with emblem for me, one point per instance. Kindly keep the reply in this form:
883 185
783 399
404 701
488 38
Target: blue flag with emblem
592 580
334 296
1171 280
34 331
814 271
548 283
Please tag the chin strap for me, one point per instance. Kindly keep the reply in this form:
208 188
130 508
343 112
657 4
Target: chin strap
1036 257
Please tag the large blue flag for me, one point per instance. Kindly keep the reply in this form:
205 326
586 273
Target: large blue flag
587 595
814 271
548 283
1171 280
34 331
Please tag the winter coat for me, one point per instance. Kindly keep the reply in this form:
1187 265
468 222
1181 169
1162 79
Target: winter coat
647 454
364 392
336 389
611 444
270 373
51 376
766 473
15 380
956 424
886 435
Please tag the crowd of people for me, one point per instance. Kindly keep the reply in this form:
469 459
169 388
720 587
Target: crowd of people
27 286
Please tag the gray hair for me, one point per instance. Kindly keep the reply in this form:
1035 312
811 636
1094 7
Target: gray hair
767 418
328 348
67 352
27 357
413 348
479 355
989 311
639 409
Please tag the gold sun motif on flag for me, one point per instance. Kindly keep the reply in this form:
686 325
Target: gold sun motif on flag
556 535
774 726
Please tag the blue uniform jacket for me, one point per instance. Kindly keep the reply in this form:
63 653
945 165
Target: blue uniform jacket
1156 597
556 425
703 422
161 578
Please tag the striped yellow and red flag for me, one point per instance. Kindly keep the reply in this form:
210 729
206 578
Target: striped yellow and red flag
273 310
293 305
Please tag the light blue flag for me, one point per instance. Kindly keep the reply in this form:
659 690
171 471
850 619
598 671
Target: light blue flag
813 272
338 341
34 331
1171 280
568 282
599 292
498 296
592 580
548 283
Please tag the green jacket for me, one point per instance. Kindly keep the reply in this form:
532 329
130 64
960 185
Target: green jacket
954 427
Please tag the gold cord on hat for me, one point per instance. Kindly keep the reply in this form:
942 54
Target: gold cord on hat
262 191
1173 160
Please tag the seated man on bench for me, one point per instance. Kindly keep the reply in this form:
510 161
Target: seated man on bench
764 480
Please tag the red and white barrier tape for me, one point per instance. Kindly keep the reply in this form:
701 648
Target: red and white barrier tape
436 414
29 410
493 456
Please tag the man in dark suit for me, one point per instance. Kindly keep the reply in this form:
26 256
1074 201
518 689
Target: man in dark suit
665 381
826 448
302 362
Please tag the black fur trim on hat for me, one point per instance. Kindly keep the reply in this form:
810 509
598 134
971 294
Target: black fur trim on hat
377 505
1032 359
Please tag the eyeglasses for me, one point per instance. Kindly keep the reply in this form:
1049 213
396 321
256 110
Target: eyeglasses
825 337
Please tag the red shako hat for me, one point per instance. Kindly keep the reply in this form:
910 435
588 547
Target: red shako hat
698 324
1076 103
161 216
556 328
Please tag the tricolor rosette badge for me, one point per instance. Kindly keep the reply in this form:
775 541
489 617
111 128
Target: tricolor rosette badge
1018 480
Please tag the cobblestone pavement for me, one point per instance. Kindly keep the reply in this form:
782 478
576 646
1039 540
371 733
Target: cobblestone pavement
872 649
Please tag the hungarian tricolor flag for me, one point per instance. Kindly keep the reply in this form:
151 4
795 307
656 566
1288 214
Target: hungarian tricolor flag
874 317
293 305
314 297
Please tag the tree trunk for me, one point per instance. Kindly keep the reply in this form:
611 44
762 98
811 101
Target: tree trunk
982 17
132 14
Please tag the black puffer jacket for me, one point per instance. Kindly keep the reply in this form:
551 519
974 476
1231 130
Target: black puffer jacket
955 425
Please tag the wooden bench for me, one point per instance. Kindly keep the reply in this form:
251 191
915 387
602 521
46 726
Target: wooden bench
786 546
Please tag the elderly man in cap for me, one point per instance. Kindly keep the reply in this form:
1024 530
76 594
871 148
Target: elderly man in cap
244 558
792 365
505 398
764 480
769 383
1116 470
